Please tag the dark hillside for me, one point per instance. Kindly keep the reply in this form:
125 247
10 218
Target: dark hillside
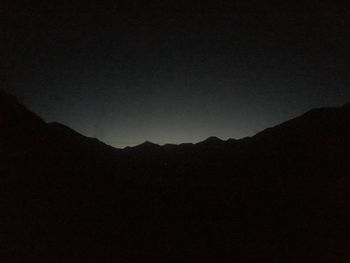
279 196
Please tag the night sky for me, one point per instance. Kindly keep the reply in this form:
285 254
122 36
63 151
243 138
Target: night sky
172 72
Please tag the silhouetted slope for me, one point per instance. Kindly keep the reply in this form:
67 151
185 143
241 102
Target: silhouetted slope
314 125
144 147
63 136
23 132
279 196
18 124
318 139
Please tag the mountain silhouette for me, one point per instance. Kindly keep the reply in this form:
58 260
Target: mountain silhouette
211 141
279 196
145 146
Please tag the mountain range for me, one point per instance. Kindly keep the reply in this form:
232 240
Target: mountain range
281 195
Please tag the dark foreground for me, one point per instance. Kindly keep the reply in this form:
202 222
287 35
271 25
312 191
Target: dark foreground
280 196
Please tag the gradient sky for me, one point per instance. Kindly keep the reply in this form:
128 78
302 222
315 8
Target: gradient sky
175 71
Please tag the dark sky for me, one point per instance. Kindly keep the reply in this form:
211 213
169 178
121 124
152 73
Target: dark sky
175 71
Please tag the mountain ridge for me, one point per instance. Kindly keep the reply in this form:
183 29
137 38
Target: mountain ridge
12 103
281 194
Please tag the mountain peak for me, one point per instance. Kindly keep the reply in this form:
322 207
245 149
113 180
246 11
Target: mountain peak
212 139
147 145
